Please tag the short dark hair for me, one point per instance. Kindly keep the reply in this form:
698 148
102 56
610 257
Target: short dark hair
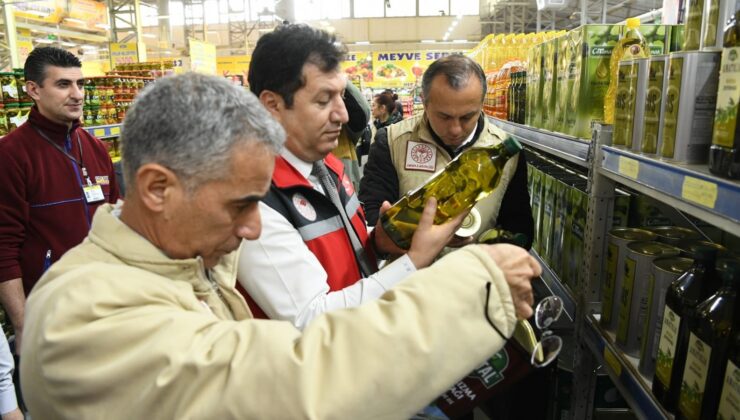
386 100
40 58
457 69
279 57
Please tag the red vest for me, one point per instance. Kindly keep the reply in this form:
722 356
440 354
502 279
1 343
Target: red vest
318 222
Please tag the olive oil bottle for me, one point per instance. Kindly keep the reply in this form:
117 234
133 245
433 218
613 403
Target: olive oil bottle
632 45
709 336
682 297
729 400
468 178
724 155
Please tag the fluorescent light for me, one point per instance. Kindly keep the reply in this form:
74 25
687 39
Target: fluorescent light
35 12
162 17
459 41
102 26
459 15
44 41
453 24
149 35
428 41
362 43
68 44
88 47
73 20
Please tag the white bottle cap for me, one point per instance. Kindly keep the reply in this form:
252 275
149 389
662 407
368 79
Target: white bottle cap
470 224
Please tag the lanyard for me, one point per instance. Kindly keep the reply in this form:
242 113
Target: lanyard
80 163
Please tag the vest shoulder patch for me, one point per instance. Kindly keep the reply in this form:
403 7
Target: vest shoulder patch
420 157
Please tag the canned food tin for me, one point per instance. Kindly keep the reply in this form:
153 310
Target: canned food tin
716 14
633 299
691 96
674 235
688 247
664 272
640 71
654 105
614 270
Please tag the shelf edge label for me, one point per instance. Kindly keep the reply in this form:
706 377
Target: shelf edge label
699 191
629 167
612 361
114 131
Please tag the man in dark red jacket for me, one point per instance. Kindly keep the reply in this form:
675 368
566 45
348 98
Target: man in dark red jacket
53 176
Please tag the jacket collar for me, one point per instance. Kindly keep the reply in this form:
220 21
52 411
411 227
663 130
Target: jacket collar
289 173
482 122
111 234
57 132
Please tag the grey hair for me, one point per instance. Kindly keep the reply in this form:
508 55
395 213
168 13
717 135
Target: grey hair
458 69
190 124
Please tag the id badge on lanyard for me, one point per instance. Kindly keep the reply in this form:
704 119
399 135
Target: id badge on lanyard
93 192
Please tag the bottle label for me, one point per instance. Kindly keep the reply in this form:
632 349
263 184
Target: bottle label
694 377
612 255
729 402
625 300
648 316
667 346
728 95
672 103
653 99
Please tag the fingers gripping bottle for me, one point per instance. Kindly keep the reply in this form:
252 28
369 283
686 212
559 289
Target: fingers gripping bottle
632 45
468 178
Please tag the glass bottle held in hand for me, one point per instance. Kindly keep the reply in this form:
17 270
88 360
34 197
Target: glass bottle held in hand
468 178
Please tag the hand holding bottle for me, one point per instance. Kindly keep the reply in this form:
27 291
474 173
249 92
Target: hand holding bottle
428 239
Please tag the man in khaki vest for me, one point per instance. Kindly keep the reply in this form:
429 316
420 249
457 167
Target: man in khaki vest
406 154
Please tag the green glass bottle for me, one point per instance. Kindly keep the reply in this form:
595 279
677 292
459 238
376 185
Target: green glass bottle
522 98
682 297
709 337
724 155
469 177
729 400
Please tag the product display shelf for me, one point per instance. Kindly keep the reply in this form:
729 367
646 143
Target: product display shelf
566 147
689 188
556 287
104 131
635 388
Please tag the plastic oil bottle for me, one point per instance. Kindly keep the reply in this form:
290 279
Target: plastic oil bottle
632 45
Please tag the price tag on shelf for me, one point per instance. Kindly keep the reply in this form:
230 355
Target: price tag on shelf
114 131
629 167
612 361
699 191
99 132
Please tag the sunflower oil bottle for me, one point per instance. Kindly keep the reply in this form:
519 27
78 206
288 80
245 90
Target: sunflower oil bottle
632 45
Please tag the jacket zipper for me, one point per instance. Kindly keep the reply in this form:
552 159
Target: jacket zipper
214 286
47 262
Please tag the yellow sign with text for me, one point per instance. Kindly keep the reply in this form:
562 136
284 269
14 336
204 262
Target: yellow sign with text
391 69
91 14
202 56
123 53
234 65
48 11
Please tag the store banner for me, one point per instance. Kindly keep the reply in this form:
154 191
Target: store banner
95 68
48 11
123 53
233 65
392 69
91 14
202 57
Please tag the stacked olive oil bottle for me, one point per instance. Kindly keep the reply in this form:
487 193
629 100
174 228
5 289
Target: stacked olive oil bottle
696 345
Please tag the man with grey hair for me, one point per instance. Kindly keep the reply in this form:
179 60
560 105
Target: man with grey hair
142 320
406 154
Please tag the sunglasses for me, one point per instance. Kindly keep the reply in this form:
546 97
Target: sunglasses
547 348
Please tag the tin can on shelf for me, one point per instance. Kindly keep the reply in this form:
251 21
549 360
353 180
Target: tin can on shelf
716 15
674 235
664 272
640 69
688 247
690 100
614 271
633 297
654 105
624 102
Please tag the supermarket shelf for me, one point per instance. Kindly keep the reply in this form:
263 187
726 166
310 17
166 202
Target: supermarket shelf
623 371
556 287
104 131
566 147
689 188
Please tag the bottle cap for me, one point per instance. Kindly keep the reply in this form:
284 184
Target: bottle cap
705 253
633 23
513 146
470 224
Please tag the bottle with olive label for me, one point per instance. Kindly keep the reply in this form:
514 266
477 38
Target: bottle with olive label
709 337
682 297
729 400
468 178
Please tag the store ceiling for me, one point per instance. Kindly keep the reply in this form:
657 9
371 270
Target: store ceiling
498 16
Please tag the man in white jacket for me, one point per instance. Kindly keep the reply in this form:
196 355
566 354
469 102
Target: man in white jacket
142 320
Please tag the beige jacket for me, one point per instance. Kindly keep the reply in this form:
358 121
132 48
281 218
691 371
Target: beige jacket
416 129
117 330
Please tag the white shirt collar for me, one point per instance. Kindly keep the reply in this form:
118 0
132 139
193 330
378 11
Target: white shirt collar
303 167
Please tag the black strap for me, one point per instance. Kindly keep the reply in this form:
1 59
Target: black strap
80 162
